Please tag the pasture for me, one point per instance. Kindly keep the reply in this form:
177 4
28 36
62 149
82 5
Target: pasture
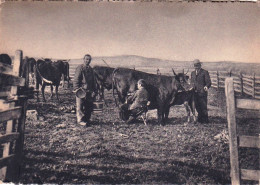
110 151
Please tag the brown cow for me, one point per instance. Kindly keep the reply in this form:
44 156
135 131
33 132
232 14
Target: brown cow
49 73
162 89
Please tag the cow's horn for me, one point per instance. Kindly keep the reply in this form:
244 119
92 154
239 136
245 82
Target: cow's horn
174 72
187 71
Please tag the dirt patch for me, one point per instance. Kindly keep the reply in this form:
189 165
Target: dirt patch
110 151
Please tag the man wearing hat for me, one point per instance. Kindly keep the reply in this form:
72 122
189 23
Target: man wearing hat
85 88
201 82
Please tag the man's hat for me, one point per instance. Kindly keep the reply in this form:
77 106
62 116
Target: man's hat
196 62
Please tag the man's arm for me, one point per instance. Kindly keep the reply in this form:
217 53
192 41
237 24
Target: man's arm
131 98
77 78
207 79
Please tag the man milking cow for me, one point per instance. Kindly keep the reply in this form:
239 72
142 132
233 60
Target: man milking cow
135 104
85 88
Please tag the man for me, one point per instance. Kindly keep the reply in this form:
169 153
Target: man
201 82
84 78
137 103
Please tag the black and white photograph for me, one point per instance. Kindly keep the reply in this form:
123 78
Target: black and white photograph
130 92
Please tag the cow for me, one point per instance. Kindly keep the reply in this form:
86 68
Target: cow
6 59
124 81
162 89
49 73
66 76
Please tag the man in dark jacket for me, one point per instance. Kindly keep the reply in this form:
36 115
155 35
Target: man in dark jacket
138 101
84 78
201 82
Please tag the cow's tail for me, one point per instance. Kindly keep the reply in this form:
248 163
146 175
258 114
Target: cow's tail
43 79
113 85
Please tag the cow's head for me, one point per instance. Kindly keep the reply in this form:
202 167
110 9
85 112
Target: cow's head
103 76
181 77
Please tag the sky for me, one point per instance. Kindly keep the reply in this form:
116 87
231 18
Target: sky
174 31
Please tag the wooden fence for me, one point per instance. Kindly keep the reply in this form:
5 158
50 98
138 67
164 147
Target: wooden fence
13 106
243 83
236 141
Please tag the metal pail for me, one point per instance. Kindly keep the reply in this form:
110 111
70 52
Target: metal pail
98 106
81 93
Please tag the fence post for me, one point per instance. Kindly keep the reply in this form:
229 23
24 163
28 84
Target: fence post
230 73
253 86
231 118
8 172
158 71
241 84
217 80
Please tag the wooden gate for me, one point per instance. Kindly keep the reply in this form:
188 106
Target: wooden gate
236 141
12 117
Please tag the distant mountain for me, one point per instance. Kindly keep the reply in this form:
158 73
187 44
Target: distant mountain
165 66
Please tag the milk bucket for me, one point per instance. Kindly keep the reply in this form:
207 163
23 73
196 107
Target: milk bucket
81 93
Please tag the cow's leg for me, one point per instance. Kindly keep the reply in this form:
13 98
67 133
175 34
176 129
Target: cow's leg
37 82
43 87
187 111
160 114
122 93
33 79
56 92
166 113
192 108
68 80
37 90
51 92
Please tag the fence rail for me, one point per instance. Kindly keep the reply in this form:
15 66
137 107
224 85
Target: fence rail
244 84
13 105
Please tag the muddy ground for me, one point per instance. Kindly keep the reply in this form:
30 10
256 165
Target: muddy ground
110 151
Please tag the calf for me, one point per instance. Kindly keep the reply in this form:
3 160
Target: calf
185 96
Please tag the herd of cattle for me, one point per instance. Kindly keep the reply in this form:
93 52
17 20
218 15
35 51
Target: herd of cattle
164 91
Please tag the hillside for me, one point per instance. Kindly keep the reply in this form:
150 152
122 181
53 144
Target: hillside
165 66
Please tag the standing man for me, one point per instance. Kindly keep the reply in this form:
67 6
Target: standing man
84 78
201 82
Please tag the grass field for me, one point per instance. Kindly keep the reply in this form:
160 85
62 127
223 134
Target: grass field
110 151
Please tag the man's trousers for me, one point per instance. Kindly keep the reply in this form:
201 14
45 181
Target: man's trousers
84 108
201 107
